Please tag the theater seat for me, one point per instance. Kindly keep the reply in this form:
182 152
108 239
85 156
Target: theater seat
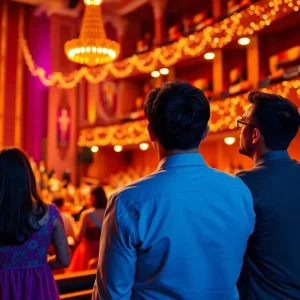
82 295
78 282
93 263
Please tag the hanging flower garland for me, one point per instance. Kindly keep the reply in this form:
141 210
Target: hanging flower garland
246 22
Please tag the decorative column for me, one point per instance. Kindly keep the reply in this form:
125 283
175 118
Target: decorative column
172 74
36 96
253 61
217 75
217 8
3 59
159 7
62 103
121 25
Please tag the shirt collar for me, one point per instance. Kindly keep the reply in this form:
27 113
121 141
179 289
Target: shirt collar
181 160
272 155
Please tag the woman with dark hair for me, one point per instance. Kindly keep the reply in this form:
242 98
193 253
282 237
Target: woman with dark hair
89 231
27 228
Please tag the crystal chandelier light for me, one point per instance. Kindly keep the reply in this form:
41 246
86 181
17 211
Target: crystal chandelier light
92 48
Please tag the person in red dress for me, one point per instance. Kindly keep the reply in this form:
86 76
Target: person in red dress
89 232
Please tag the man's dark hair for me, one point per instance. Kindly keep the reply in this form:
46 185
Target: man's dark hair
178 114
277 118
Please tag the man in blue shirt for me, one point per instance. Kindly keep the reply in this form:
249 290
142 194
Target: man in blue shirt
271 268
181 232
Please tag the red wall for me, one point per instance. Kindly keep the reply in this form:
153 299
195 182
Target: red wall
195 71
25 97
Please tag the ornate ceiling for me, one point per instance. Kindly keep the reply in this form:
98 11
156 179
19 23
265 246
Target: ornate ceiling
74 7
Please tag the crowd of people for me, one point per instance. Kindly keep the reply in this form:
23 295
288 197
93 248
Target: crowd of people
187 231
123 178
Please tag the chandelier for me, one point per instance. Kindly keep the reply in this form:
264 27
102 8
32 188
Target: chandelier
92 47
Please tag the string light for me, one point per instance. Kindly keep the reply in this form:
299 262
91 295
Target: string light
224 114
247 22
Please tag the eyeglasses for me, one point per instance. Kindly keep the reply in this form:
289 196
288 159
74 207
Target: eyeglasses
240 123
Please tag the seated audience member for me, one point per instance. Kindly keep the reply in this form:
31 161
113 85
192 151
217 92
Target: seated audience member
89 231
27 227
68 220
181 232
271 267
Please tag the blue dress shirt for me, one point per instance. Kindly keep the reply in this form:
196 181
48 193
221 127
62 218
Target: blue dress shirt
179 233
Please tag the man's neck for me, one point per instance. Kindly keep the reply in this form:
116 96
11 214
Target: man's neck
259 154
162 153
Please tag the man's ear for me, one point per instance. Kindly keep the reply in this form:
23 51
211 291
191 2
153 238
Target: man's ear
206 132
152 135
256 136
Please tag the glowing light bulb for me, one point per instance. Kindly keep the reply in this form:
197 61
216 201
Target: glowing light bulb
93 2
118 148
95 149
164 71
144 146
229 140
244 41
155 74
209 55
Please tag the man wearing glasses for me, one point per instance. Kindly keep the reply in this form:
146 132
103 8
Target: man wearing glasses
271 267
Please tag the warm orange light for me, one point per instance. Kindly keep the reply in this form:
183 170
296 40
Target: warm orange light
229 140
93 2
155 74
118 148
209 55
164 71
92 47
144 146
244 41
95 149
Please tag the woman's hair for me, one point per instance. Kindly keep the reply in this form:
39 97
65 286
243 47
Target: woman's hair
100 200
17 194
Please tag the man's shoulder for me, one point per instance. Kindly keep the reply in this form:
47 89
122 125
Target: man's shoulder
252 177
229 180
143 185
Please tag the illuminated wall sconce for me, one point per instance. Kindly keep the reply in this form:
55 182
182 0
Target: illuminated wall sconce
118 148
244 41
144 146
229 140
164 71
155 74
95 149
209 55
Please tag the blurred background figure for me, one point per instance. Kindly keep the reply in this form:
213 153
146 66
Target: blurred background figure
68 220
89 231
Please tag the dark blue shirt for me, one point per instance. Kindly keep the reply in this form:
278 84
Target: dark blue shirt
271 267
